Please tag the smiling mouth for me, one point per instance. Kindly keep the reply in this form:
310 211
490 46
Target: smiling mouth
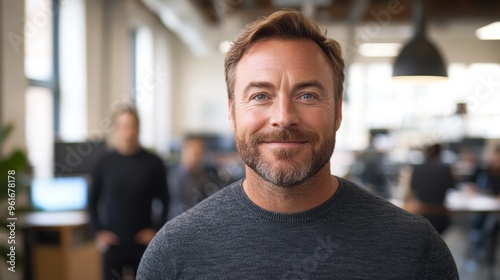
284 138
287 144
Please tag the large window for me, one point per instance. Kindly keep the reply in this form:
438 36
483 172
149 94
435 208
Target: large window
39 128
72 75
54 40
145 84
39 39
421 113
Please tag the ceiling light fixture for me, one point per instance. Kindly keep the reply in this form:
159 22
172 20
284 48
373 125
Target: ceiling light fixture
419 61
489 32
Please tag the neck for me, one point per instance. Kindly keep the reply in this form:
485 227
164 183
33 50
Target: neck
303 197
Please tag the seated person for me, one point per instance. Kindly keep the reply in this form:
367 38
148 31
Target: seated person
428 185
193 179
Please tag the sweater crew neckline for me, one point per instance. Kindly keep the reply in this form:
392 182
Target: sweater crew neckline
292 217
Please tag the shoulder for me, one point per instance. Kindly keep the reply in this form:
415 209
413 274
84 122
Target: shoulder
219 206
150 155
398 232
378 213
151 158
389 222
206 216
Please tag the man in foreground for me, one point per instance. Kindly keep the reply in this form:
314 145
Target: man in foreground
290 218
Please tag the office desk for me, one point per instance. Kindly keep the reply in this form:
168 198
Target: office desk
465 202
58 246
469 202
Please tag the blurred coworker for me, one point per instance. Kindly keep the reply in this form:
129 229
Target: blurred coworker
124 184
429 183
487 179
466 165
369 169
485 227
192 180
290 218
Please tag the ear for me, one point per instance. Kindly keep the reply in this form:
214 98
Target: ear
338 114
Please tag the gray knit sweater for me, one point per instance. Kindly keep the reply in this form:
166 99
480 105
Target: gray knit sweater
353 235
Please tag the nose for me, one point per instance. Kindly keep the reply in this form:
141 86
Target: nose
285 113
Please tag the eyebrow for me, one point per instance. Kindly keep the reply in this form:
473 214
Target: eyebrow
258 85
309 83
296 87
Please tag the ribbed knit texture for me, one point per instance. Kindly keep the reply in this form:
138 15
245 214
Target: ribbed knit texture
353 235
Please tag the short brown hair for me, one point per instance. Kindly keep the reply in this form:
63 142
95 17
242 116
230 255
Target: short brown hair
284 24
125 108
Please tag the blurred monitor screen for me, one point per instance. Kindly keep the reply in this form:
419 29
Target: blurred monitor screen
59 193
78 157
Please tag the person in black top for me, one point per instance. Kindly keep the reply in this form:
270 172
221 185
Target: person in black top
429 183
124 184
369 168
487 179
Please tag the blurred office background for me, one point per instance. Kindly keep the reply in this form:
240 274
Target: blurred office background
67 64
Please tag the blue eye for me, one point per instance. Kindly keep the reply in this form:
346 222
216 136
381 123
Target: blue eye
308 96
260 96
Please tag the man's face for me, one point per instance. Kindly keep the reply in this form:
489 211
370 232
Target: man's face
284 113
126 129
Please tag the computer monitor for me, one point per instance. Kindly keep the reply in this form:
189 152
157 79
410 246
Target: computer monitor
77 158
59 193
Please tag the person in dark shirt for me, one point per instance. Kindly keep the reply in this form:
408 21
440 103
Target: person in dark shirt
485 227
487 179
369 169
124 184
193 179
429 183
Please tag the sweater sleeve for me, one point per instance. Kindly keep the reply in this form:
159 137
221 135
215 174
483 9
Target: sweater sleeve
157 263
438 263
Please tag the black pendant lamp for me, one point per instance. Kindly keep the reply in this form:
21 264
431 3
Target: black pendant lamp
419 61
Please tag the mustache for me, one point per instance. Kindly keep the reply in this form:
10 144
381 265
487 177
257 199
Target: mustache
283 135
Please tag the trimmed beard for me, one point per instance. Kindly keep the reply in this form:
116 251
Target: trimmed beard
286 175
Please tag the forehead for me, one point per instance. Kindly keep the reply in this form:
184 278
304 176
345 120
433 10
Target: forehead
301 58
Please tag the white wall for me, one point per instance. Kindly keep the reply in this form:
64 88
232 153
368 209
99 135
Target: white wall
96 70
164 44
109 64
13 81
200 98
